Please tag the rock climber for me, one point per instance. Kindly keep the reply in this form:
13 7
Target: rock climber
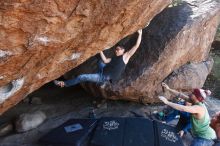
112 67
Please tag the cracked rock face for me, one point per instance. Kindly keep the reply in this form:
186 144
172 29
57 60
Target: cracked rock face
178 35
41 40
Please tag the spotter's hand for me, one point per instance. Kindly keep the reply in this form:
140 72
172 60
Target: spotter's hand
165 85
163 99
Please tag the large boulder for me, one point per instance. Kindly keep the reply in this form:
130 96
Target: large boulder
29 121
177 36
41 40
190 76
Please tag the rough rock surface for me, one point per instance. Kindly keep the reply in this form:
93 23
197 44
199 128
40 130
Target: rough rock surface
41 40
29 121
176 36
189 76
5 129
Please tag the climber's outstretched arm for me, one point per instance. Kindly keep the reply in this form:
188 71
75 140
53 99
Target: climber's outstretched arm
131 52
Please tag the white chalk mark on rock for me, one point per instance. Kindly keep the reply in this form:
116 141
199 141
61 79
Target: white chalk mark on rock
75 56
4 53
39 76
9 89
44 40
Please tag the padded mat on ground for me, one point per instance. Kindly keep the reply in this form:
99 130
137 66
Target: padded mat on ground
123 132
74 132
166 135
109 132
112 131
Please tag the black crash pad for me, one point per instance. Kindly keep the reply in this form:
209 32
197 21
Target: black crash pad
123 132
166 135
138 132
74 132
109 132
134 132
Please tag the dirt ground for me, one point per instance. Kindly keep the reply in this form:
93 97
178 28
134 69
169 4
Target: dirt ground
73 102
